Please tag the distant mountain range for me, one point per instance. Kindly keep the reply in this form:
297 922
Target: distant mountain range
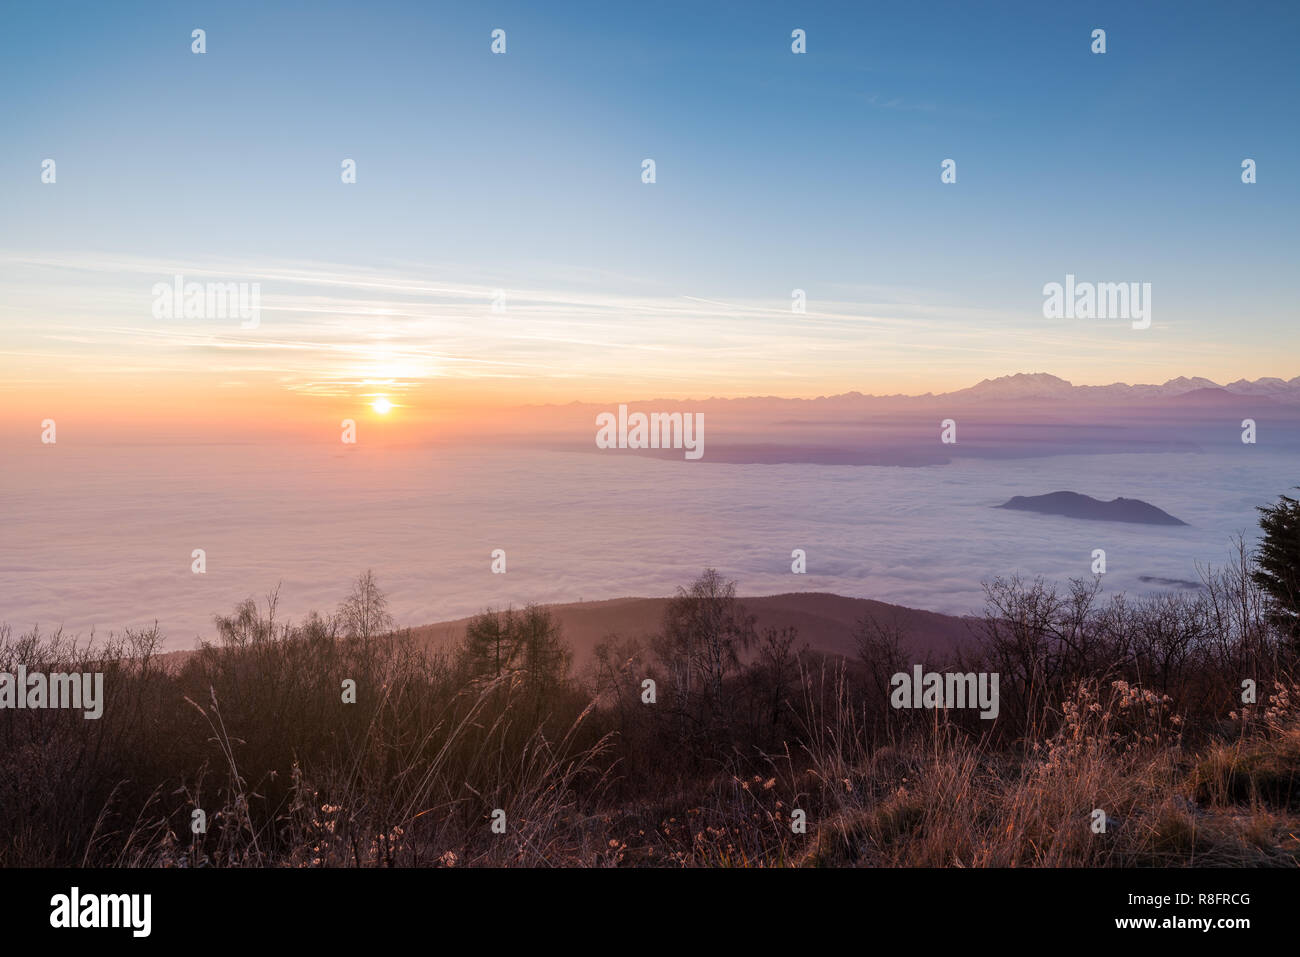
1037 387
1014 416
1041 385
1074 505
1020 386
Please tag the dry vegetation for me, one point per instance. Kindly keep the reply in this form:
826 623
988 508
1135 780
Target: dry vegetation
1131 707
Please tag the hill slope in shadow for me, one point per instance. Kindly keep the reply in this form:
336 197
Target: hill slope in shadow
824 621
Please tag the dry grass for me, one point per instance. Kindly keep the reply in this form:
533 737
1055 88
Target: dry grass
253 732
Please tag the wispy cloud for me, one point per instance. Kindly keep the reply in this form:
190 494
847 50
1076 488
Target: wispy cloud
328 329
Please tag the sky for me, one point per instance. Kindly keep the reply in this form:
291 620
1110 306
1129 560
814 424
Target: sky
517 178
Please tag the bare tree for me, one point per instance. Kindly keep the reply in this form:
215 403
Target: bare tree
880 647
705 630
777 670
364 613
247 626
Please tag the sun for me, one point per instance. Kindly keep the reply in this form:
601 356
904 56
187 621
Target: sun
381 405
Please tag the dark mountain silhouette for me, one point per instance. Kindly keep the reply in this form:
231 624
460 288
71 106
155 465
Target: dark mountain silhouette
1074 505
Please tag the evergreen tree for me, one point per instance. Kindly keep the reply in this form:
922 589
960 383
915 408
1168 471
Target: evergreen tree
542 652
1278 561
497 642
491 645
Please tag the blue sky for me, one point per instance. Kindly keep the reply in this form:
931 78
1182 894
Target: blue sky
775 171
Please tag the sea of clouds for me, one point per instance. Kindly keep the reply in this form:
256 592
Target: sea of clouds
101 538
